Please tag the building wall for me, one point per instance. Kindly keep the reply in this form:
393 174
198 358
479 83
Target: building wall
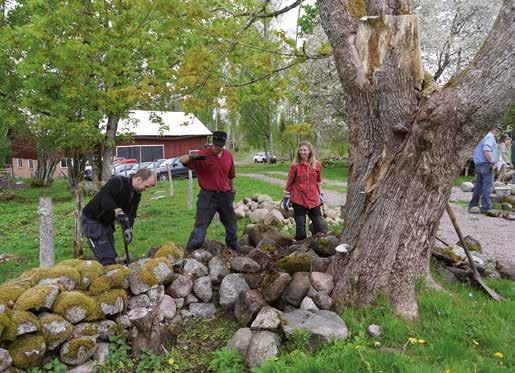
173 147
25 171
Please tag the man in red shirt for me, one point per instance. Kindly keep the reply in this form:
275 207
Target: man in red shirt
215 173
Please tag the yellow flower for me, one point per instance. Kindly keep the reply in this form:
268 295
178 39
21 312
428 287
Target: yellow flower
422 341
499 355
357 347
377 344
412 340
476 343
447 370
171 361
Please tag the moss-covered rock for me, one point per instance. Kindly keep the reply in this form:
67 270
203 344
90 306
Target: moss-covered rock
325 245
268 246
86 329
55 329
28 351
67 277
78 350
100 285
112 302
37 298
21 322
154 272
9 294
5 324
171 251
295 262
89 270
509 199
76 306
107 329
472 244
115 277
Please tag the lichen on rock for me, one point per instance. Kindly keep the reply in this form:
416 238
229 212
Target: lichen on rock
295 262
37 298
27 351
78 350
112 302
170 251
21 322
55 329
76 306
89 270
9 293
65 276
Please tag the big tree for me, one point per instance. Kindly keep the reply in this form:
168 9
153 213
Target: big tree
408 140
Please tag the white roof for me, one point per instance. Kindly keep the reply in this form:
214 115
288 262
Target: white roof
162 123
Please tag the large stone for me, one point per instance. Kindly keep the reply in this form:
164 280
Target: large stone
167 308
248 304
217 269
202 288
273 217
100 355
141 300
155 294
112 302
267 319
466 186
230 288
154 272
78 350
191 298
201 255
5 359
169 250
322 281
297 289
85 329
324 326
295 262
323 300
87 367
214 247
39 297
269 246
258 232
194 268
240 341
325 245
374 330
263 259
244 264
202 309
106 329
319 264
180 287
263 346
274 286
240 212
307 304
55 329
257 216
27 351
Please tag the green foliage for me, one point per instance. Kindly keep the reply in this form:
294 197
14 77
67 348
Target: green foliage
54 366
310 19
298 341
149 362
226 361
119 356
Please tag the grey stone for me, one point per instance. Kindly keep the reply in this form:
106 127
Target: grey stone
186 314
466 186
261 258
5 359
201 255
217 269
136 284
179 303
322 282
57 327
267 319
240 341
202 288
323 300
268 245
297 289
307 304
319 264
273 291
106 329
325 245
202 309
194 268
167 308
374 330
136 266
84 348
66 282
163 272
258 215
155 294
87 367
263 346
230 288
123 321
141 300
273 217
180 287
115 308
243 264
101 353
253 279
248 304
324 326
85 329
191 298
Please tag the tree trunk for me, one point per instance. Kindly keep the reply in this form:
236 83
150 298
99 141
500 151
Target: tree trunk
47 162
109 146
75 177
407 143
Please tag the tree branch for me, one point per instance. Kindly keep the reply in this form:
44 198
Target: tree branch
261 14
263 77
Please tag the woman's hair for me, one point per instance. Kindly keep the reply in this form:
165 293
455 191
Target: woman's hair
312 157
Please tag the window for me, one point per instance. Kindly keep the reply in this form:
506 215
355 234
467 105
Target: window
66 162
31 164
20 163
142 153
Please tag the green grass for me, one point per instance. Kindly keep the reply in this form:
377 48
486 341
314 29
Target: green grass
165 219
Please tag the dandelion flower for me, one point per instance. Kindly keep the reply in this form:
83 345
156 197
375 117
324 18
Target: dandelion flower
357 347
422 341
499 355
377 343
412 340
171 361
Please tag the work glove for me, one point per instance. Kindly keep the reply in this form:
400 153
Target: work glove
127 234
197 157
122 219
322 198
286 202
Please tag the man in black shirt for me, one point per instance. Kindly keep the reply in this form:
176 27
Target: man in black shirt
117 200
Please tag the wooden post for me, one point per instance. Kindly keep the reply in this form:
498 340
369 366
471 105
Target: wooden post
46 233
170 179
190 189
77 242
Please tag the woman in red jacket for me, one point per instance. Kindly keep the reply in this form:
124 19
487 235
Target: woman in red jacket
303 189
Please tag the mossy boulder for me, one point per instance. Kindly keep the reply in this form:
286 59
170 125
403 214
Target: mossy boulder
55 329
508 199
61 275
171 251
21 322
112 302
295 262
76 306
89 270
101 285
86 329
154 272
9 294
37 298
472 244
5 324
268 246
78 350
493 213
115 277
28 351
325 245
107 329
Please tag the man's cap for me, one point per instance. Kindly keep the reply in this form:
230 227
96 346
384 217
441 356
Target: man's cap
219 138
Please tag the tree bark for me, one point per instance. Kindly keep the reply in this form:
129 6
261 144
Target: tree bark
47 162
109 146
46 233
75 177
407 144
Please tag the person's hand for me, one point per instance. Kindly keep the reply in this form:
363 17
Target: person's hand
322 198
122 219
127 234
197 157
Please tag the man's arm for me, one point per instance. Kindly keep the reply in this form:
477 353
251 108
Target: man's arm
184 158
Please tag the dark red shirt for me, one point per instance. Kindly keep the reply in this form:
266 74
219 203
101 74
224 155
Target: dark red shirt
214 172
303 184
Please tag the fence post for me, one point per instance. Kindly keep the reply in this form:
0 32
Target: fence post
190 189
46 233
170 179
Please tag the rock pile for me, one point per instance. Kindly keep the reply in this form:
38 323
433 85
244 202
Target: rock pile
273 287
504 196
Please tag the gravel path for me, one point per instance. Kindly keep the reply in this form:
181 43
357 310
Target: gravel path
497 235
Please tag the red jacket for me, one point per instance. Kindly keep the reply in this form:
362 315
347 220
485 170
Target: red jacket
303 184
214 173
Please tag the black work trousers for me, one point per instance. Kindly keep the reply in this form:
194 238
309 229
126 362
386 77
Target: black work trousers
315 214
209 203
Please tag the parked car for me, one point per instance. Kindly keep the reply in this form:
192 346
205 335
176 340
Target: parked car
124 161
88 173
121 169
138 166
177 169
261 158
